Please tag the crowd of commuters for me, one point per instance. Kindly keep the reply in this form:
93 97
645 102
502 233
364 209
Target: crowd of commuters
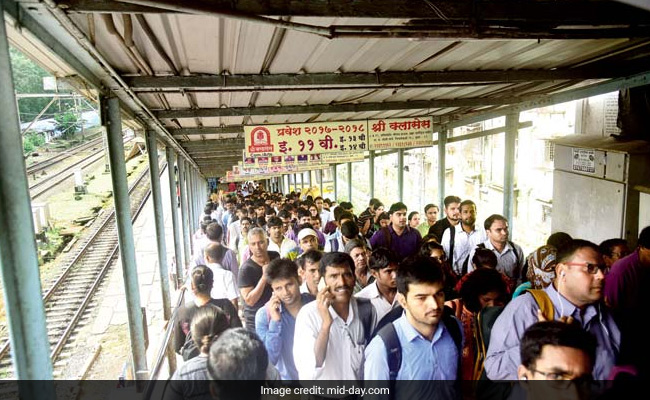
388 295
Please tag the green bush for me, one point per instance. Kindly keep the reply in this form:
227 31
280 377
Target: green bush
28 145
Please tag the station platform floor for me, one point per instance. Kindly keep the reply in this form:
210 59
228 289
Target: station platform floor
109 327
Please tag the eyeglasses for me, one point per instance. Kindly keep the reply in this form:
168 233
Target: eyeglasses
590 267
563 380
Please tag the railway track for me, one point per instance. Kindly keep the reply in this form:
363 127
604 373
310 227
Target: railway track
40 166
67 300
39 188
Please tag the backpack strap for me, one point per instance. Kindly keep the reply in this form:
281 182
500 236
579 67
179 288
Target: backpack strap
388 335
366 316
544 303
452 241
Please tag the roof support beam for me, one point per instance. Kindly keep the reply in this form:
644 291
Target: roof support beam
332 108
211 130
379 79
572 12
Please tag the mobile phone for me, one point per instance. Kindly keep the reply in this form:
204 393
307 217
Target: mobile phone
321 284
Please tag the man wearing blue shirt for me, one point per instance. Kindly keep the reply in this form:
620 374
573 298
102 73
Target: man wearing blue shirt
275 322
428 351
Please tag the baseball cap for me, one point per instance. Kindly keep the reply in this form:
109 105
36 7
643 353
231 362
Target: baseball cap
306 232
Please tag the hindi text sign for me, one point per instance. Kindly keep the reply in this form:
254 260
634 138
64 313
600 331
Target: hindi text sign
400 133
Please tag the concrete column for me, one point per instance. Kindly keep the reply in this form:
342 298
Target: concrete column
171 159
184 211
371 172
154 174
512 121
400 174
18 261
442 154
111 106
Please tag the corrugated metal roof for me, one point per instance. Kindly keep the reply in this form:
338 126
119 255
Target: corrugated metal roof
201 44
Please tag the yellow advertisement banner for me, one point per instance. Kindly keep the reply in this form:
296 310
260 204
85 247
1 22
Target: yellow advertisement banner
306 139
399 133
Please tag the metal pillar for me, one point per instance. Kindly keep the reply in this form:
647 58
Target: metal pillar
442 153
169 154
320 182
336 191
512 120
184 213
111 108
154 175
191 196
371 172
18 261
295 182
400 174
302 182
309 178
350 182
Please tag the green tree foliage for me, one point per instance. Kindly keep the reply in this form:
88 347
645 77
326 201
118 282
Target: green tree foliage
28 78
68 123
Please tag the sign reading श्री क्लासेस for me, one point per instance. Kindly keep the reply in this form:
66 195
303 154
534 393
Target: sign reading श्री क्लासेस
399 133
308 138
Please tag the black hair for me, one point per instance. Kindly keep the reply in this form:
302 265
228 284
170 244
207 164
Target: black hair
202 279
313 256
382 257
555 333
418 269
383 215
466 203
208 322
483 257
349 229
411 214
567 253
303 213
427 247
281 268
480 282
397 207
491 219
273 221
375 203
341 214
284 214
451 199
238 354
559 240
430 205
214 232
346 205
215 252
608 245
644 238
336 258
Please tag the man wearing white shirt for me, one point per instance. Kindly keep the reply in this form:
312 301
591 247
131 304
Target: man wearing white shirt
510 256
465 237
309 271
224 285
334 329
382 292
277 241
325 216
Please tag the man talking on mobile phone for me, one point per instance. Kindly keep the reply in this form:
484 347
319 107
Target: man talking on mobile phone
334 329
276 320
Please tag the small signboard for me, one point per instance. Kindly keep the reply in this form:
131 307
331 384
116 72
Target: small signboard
584 160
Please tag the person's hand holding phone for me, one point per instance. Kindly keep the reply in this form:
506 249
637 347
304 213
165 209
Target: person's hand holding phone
323 301
274 307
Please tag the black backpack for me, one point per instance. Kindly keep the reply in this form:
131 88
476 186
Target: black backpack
387 333
189 349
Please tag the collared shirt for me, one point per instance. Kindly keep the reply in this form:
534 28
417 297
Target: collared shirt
421 359
345 345
228 262
334 241
382 306
503 356
285 244
225 286
404 245
508 262
304 288
464 243
424 227
325 217
278 338
234 233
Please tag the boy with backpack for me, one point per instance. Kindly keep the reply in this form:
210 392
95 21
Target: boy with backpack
423 343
